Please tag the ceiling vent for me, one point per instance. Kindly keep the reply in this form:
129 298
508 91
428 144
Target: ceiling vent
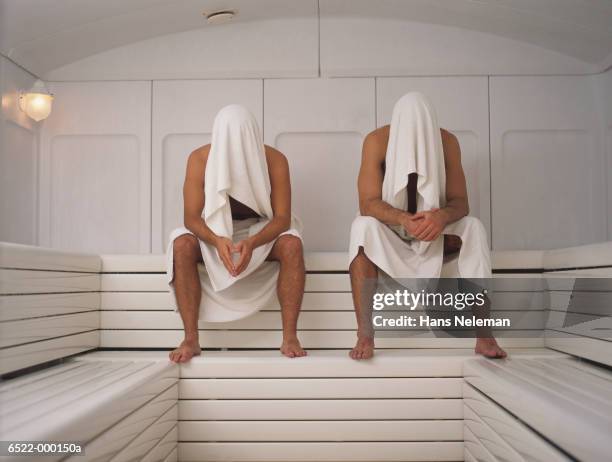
219 17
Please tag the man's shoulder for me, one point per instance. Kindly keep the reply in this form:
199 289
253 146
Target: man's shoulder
200 154
379 135
448 137
274 156
375 142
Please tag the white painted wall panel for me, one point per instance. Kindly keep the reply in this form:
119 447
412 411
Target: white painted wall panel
183 115
18 159
320 125
463 108
96 168
548 170
603 90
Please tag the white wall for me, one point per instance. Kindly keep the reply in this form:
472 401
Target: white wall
106 188
548 164
18 159
602 84
95 172
320 124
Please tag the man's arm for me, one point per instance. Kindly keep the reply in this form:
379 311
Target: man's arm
457 205
280 196
369 185
193 199
434 221
370 181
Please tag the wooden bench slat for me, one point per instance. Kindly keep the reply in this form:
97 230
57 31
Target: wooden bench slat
109 443
150 437
164 301
496 446
164 447
35 330
523 440
313 301
546 401
272 339
331 452
246 388
13 307
328 409
348 430
22 356
143 282
266 320
317 282
36 282
21 256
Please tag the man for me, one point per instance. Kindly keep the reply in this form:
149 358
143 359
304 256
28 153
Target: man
237 214
413 203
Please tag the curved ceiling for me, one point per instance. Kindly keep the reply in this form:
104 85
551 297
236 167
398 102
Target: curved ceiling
43 35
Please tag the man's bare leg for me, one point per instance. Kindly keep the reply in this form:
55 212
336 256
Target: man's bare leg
288 251
188 291
362 270
486 344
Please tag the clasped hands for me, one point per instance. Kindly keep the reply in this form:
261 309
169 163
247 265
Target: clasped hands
424 226
226 248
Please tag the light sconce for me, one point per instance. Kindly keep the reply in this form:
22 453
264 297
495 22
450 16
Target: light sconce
37 102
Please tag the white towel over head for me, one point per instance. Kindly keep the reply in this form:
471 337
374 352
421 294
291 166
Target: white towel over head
236 167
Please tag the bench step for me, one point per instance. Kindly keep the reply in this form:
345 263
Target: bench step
561 399
80 400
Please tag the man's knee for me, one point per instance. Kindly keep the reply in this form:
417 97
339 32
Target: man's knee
360 261
186 247
289 248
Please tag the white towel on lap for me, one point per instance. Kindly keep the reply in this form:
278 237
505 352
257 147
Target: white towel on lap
415 146
236 167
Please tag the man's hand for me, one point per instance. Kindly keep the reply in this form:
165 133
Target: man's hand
225 247
429 224
245 248
409 223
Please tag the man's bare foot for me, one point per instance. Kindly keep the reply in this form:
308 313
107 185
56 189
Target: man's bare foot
185 351
292 349
364 349
489 348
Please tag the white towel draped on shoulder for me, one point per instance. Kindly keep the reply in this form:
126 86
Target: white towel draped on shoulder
415 146
236 167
